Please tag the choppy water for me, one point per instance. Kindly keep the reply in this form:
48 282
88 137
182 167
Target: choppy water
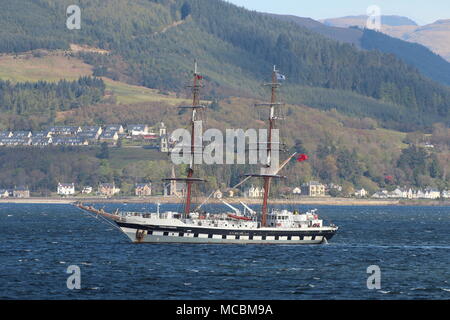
411 245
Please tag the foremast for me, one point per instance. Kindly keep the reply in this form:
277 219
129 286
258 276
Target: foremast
195 89
195 122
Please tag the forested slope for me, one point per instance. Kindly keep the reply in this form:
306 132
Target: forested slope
158 40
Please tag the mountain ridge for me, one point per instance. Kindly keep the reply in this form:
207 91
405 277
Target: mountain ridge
237 48
435 35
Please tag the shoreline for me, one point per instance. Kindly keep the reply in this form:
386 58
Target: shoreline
298 201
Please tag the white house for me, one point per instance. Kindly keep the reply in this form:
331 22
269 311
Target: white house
66 189
4 193
114 128
297 191
382 194
6 134
95 130
361 193
86 190
137 129
407 193
217 194
255 192
109 136
64 130
431 193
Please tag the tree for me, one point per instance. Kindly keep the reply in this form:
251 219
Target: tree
435 170
185 10
299 147
104 151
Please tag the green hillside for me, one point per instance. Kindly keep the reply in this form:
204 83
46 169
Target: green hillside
158 40
342 103
330 138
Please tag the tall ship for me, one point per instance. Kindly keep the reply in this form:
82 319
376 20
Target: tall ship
247 226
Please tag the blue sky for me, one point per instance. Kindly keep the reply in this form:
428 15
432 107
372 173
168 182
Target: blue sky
421 11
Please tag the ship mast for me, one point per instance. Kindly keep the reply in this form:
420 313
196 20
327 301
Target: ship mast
267 171
195 121
195 89
274 86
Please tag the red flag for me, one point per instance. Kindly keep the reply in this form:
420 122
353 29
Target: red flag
302 157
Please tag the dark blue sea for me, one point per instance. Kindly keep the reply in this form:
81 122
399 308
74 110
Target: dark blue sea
410 245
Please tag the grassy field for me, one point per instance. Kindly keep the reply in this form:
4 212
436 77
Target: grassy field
120 157
53 67
57 66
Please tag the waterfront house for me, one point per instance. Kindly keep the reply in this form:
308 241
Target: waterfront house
313 189
361 193
66 189
297 191
230 192
21 192
333 186
432 193
254 192
143 189
86 190
4 193
108 189
382 194
217 194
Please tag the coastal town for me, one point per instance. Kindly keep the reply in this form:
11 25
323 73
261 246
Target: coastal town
156 137
112 134
177 190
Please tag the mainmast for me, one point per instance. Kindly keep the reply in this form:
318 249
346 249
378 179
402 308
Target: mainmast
268 172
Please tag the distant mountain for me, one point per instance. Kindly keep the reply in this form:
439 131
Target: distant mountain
435 36
414 54
419 56
361 20
342 34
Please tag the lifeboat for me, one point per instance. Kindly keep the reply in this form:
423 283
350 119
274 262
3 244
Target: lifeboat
239 217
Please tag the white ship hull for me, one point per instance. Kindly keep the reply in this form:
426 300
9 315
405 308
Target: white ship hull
170 234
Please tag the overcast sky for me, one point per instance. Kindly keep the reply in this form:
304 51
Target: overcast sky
421 11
